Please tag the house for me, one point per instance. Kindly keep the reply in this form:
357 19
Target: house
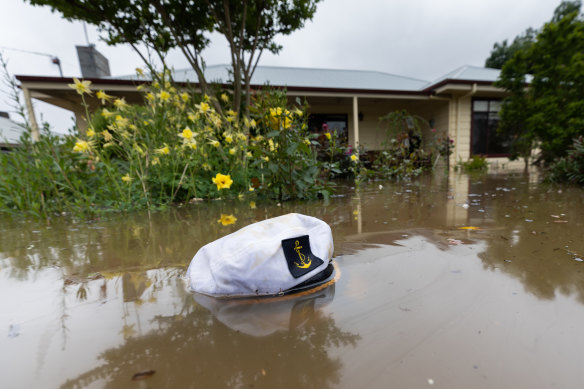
462 104
10 132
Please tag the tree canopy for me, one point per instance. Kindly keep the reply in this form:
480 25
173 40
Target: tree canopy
502 52
250 27
546 84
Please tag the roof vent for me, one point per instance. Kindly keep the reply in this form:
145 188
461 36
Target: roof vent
93 64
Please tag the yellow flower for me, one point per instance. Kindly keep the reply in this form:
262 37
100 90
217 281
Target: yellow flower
252 204
150 96
241 137
81 146
107 114
203 107
298 112
271 145
206 166
354 158
103 96
163 150
107 136
90 133
164 95
214 143
232 151
193 145
328 135
228 139
266 158
184 96
231 113
121 122
251 188
80 87
206 97
127 178
121 104
253 123
222 181
224 97
248 154
139 72
186 134
307 142
155 161
227 219
192 117
138 149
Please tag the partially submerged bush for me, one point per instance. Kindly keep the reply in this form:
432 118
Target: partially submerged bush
571 167
402 154
476 163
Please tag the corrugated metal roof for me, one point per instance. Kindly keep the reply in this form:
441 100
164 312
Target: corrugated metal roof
334 78
308 78
469 73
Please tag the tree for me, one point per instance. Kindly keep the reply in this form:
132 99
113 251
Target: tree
159 27
250 27
503 52
546 82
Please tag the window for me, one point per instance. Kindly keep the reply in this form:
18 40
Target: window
484 137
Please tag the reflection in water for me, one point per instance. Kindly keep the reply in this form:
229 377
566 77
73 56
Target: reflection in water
231 344
533 232
264 316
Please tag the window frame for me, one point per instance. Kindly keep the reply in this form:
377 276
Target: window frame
472 125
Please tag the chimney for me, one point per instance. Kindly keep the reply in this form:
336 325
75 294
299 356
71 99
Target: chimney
4 115
93 64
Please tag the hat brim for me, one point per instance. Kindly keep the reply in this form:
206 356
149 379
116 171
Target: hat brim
323 279
328 274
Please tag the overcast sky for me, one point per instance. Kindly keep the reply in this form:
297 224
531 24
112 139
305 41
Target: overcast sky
417 38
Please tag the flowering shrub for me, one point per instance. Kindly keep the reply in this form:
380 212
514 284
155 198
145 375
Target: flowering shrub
177 147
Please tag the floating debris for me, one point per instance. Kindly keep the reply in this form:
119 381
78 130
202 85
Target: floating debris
472 228
142 375
454 242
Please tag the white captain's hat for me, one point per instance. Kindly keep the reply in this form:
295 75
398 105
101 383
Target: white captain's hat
271 257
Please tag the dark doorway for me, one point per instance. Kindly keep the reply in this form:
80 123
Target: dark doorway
334 122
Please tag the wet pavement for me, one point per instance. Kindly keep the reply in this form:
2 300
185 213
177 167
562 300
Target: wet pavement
458 282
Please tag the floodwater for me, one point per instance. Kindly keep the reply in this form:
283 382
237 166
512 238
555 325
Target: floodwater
420 302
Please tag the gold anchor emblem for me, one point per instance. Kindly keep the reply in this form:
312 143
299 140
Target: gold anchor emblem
303 263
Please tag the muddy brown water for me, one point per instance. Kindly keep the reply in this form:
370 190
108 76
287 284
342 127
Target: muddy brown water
420 302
